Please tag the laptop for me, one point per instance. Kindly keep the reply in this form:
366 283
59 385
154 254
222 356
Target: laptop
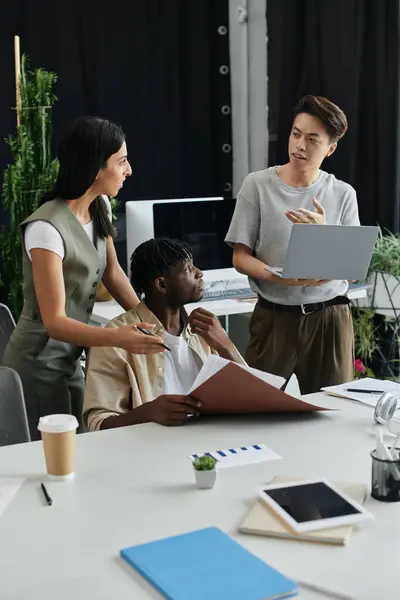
328 252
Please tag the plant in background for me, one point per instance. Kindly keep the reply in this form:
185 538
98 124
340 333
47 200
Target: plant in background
204 463
102 294
386 254
365 343
376 330
360 370
114 203
32 173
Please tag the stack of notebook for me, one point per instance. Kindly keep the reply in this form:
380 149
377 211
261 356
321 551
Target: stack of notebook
262 520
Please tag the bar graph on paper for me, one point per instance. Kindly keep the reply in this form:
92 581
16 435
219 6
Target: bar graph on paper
235 457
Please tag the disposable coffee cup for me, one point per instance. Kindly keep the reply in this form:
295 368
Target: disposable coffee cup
59 436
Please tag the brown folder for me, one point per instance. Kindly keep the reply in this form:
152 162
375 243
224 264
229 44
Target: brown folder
236 391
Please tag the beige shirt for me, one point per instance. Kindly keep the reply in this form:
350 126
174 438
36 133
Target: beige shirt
118 381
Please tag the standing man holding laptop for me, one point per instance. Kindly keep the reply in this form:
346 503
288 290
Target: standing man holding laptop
298 326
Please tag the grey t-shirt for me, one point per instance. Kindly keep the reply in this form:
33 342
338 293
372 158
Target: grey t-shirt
259 222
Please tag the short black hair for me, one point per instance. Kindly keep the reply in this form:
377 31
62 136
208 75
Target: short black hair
332 117
153 258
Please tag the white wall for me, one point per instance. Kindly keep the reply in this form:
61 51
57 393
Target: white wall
248 49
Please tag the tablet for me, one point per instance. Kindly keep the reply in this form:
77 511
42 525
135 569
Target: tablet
311 505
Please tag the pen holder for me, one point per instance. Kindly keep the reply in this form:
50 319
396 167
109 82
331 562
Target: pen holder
385 482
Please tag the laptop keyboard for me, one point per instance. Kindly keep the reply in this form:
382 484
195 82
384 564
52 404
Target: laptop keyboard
227 294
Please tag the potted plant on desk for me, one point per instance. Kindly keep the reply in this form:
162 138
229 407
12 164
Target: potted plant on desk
205 472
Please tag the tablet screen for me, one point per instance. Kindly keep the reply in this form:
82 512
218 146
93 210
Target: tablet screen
311 502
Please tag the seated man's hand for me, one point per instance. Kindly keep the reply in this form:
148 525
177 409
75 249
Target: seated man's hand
207 326
170 409
302 215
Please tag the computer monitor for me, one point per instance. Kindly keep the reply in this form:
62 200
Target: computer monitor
201 222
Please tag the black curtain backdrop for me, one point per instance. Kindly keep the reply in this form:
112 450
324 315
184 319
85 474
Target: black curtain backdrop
349 51
150 65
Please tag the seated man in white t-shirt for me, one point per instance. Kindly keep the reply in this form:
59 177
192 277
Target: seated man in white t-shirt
127 389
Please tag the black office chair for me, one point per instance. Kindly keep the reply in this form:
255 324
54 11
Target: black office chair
13 420
7 325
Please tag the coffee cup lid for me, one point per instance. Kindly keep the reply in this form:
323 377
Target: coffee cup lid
57 423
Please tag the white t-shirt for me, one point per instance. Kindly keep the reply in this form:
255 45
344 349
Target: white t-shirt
41 234
181 365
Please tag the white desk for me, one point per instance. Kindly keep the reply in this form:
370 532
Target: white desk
105 311
135 484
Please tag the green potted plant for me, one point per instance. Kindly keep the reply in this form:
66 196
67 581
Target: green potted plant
32 172
361 371
377 319
384 274
365 343
205 472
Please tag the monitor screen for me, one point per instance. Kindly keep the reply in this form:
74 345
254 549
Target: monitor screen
202 225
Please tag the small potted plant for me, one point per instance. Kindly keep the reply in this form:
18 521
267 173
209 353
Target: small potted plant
205 472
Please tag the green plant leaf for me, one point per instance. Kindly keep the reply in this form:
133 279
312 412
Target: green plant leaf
204 463
364 333
32 173
386 254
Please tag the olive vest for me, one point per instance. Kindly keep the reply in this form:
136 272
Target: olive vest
83 267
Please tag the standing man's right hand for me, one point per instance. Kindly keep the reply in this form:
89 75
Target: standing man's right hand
302 215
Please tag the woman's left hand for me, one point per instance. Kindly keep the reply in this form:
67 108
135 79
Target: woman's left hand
302 215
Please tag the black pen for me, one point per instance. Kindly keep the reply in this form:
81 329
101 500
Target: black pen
46 495
359 391
149 333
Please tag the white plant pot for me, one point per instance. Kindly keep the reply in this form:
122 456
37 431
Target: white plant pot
205 480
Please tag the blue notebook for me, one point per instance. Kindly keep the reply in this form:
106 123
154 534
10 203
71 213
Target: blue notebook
207 565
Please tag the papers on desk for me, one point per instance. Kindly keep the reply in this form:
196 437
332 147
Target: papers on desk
9 486
368 383
237 457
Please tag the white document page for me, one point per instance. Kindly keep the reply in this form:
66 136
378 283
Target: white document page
237 457
9 486
215 363
368 383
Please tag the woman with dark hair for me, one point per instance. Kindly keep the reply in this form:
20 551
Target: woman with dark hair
68 249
